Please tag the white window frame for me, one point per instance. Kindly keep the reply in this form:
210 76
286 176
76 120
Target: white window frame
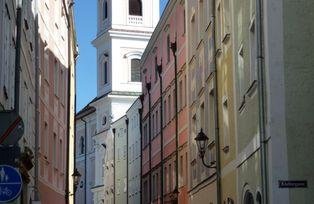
130 56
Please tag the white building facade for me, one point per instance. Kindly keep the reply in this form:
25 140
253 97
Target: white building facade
123 30
134 153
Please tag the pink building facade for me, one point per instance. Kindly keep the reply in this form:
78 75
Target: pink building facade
55 109
159 56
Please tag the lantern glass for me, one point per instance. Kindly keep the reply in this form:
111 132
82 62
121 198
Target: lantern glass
201 140
76 176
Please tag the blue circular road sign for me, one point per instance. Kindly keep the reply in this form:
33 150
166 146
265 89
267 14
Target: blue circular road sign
10 183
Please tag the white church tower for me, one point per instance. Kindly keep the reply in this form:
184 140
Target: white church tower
124 28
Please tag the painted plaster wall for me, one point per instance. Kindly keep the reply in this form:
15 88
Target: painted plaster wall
120 142
53 97
298 29
89 178
134 153
172 25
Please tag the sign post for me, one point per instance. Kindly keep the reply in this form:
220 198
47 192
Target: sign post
10 183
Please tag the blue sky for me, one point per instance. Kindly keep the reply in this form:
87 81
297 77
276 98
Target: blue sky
86 79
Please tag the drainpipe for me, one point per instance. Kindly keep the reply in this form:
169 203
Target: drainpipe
159 69
67 193
85 159
140 111
19 16
173 47
114 165
148 87
261 98
217 143
127 159
36 187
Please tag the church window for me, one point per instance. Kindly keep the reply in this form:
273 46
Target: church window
105 10
135 70
82 146
135 7
105 72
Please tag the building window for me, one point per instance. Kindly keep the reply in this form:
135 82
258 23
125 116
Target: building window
105 10
201 18
241 71
46 65
258 198
153 125
55 149
169 108
174 102
170 177
184 26
156 71
248 198
225 114
219 25
181 170
180 102
165 113
56 78
253 71
104 120
61 155
165 180
105 72
156 126
168 48
82 145
135 7
135 70
227 17
202 113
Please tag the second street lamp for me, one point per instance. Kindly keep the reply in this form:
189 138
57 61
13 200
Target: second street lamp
202 141
76 178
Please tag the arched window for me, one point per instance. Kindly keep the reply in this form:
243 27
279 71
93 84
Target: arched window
135 7
105 72
259 198
248 198
135 70
82 145
105 10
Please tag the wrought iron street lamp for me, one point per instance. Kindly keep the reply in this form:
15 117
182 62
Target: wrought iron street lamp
202 141
76 178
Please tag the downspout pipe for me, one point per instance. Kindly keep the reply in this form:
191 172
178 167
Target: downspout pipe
114 165
85 159
127 159
140 111
148 87
18 48
37 73
217 142
67 189
159 69
173 47
261 99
